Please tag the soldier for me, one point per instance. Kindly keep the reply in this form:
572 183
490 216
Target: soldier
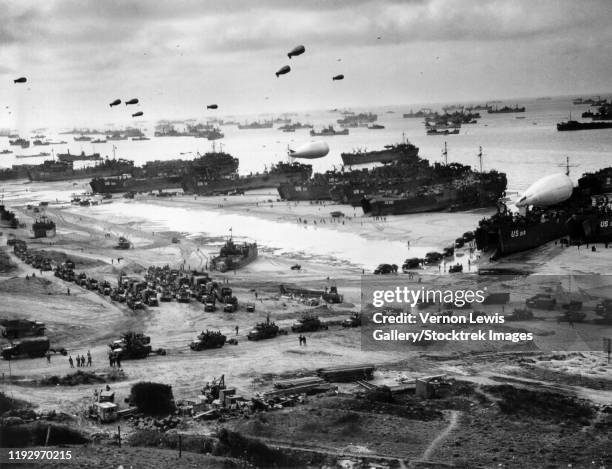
236 330
118 360
88 358
304 340
48 355
111 360
71 361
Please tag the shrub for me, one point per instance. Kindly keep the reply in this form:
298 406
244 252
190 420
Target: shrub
152 398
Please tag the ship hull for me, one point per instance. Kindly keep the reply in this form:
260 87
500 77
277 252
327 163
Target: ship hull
567 126
304 191
244 183
377 157
384 206
233 262
41 175
114 186
512 239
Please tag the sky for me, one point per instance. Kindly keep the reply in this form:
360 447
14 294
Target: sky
178 56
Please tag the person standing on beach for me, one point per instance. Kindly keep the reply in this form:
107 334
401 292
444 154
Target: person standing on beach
70 361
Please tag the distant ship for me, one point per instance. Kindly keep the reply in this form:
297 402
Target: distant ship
232 256
355 120
506 109
5 152
256 125
23 143
38 142
575 125
376 126
390 153
328 132
423 112
436 131
82 138
64 170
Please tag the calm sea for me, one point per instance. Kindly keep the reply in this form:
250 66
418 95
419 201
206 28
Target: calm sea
525 149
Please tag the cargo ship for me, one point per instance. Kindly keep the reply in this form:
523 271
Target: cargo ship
559 210
506 110
402 179
23 143
160 175
129 183
68 157
390 153
19 171
473 190
232 256
575 125
64 170
281 173
256 125
328 131
356 120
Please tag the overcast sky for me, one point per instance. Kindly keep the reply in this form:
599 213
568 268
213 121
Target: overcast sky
177 56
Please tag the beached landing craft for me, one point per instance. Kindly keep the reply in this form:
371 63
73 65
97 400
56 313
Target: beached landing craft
310 150
552 209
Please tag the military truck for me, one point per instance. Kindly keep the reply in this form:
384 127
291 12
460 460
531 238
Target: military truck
265 330
308 323
520 315
208 340
123 243
91 284
541 301
16 328
104 287
412 263
230 308
353 321
32 347
131 345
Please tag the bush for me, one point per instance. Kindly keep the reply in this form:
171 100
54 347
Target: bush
152 398
35 434
8 403
254 451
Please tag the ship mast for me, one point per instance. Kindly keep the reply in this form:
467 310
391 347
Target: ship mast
445 154
567 166
480 157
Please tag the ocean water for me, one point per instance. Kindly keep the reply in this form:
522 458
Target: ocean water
525 149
